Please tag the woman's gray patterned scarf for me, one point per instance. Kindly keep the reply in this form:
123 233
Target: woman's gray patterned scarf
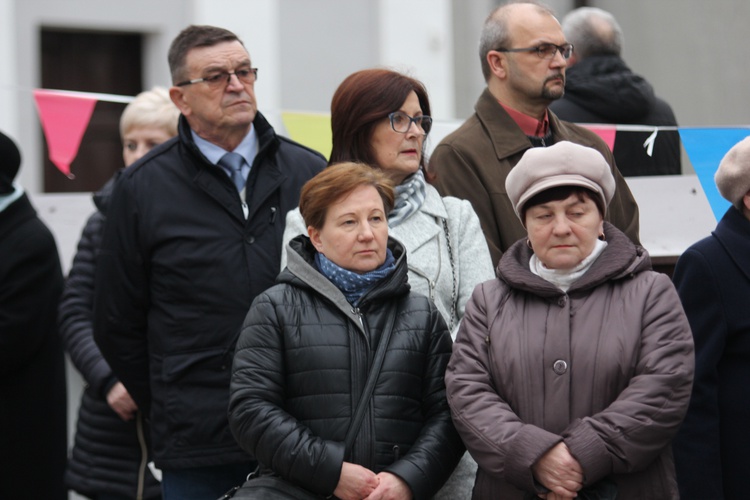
410 195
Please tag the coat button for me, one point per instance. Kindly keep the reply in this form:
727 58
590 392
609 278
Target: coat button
250 239
560 367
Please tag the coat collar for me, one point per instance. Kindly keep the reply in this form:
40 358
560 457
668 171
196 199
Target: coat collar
422 227
265 175
301 271
16 214
733 233
507 137
619 260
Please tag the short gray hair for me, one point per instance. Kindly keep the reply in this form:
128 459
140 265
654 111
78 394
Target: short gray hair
496 34
593 32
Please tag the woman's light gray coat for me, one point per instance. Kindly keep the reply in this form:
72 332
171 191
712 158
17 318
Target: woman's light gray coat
424 237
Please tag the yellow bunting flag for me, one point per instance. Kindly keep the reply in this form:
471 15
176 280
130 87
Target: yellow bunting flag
311 129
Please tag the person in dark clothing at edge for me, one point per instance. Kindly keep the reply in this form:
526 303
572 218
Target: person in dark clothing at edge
601 88
193 234
33 403
713 281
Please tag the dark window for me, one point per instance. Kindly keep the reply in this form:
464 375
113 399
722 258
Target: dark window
89 61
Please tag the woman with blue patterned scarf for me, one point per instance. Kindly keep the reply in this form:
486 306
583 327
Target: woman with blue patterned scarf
308 343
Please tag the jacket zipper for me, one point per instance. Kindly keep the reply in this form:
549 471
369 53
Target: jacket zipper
431 283
365 430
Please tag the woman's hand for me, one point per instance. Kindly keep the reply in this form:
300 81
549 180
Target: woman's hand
355 482
391 487
118 398
558 471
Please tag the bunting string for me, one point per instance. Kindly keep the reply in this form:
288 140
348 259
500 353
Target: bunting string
65 115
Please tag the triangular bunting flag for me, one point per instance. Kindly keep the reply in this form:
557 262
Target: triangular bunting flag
606 132
64 118
706 147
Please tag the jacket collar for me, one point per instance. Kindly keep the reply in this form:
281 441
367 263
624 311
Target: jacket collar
619 260
268 142
262 184
506 136
102 197
422 227
733 233
15 214
433 203
301 272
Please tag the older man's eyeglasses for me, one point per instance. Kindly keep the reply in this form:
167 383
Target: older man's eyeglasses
215 80
545 50
401 122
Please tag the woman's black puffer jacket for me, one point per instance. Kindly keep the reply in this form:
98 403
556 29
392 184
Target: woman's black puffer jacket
109 455
302 360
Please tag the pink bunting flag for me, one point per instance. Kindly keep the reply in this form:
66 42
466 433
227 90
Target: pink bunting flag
606 132
64 118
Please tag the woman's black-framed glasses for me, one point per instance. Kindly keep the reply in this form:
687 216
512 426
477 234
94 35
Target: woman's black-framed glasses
244 75
545 50
401 122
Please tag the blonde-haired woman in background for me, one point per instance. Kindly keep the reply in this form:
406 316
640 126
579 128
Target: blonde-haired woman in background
109 456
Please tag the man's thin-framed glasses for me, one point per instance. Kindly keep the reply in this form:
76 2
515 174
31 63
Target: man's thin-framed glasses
401 122
545 50
244 75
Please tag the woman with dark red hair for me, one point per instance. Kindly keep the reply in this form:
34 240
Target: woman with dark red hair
381 117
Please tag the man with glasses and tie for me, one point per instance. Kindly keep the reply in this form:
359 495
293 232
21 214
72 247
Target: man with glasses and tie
193 234
524 54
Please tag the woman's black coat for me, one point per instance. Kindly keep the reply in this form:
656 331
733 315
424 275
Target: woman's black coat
302 360
107 456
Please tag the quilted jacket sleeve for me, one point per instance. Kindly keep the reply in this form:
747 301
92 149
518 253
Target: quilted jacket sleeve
438 449
76 310
256 415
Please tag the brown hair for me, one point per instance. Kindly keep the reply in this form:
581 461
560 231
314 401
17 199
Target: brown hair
560 193
191 37
361 101
337 181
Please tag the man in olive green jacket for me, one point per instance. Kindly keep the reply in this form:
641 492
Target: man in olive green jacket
524 56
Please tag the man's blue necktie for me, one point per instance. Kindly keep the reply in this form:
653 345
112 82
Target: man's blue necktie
232 163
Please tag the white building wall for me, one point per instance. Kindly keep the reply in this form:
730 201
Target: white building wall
8 100
693 52
258 24
421 46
